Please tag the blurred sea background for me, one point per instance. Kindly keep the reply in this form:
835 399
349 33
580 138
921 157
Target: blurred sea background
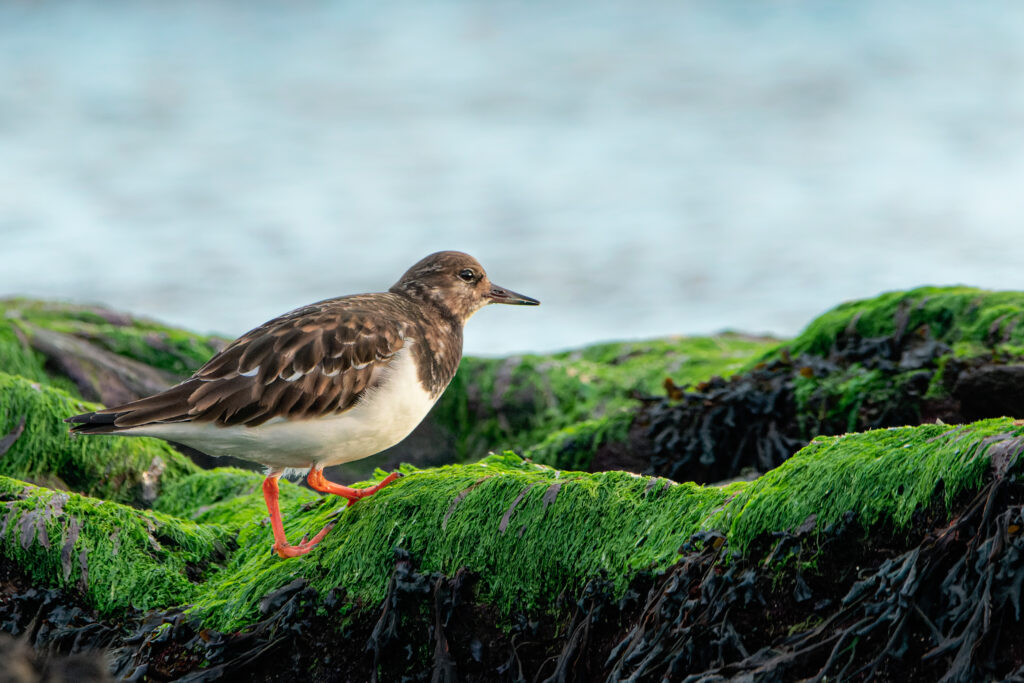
644 168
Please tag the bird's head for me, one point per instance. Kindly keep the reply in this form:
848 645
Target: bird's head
457 282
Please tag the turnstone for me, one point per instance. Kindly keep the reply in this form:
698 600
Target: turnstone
327 383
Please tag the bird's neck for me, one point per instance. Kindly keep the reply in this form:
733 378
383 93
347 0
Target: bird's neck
433 304
439 347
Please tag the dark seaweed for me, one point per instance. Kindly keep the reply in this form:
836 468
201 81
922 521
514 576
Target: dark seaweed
755 420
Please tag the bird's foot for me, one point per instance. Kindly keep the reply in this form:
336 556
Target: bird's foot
304 546
356 494
318 482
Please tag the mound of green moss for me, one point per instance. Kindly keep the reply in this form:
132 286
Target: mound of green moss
528 530
532 531
35 446
972 321
903 356
115 556
175 351
130 524
950 354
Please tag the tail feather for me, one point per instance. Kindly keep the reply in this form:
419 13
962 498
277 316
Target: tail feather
93 423
168 406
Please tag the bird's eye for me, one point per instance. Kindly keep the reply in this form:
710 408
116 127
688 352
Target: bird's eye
467 275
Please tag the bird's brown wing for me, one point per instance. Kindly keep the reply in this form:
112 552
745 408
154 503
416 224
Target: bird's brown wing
313 361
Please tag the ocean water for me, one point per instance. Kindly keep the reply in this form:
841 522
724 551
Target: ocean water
644 168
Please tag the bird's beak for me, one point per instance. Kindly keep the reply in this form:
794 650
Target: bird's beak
500 295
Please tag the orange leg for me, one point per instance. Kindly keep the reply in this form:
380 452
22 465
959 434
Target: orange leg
280 540
319 482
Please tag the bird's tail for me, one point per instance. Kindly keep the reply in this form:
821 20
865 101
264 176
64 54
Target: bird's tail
93 423
163 407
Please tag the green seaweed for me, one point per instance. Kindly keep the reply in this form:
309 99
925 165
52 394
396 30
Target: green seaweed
227 496
971 320
17 357
115 556
559 531
978 326
883 476
160 346
528 530
116 468
531 531
521 401
573 447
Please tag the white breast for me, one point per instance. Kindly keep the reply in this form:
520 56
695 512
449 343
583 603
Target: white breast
384 416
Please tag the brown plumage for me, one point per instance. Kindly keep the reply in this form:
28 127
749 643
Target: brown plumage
361 371
313 361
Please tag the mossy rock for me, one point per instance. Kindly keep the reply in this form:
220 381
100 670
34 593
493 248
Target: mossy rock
971 321
17 357
529 531
35 446
94 353
532 531
522 402
115 556
170 349
949 354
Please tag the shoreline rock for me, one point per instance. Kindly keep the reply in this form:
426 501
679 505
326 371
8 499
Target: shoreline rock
497 550
506 568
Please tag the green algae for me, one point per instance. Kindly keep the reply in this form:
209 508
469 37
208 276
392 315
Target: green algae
188 496
573 447
121 469
521 401
836 401
17 357
882 476
115 556
533 530
530 530
892 358
969 319
160 346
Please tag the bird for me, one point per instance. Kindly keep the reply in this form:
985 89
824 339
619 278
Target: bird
328 383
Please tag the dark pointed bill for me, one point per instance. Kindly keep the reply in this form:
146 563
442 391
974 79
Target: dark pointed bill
500 295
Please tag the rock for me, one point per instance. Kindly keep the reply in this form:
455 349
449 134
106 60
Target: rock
448 568
99 375
510 569
21 664
925 355
990 390
35 335
35 446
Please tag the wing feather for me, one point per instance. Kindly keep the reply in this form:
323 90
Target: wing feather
314 361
